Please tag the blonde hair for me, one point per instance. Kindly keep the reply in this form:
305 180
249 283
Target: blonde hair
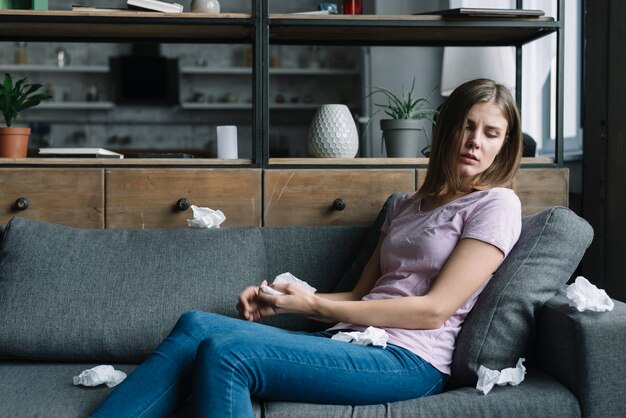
443 175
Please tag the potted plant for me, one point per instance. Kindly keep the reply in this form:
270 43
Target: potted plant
14 98
405 135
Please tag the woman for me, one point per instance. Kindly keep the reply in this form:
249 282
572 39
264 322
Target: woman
437 250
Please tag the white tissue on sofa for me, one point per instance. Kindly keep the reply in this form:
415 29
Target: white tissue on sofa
372 335
205 218
488 378
99 375
287 278
584 296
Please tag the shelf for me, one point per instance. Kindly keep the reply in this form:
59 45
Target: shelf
216 70
124 26
75 106
422 30
381 161
124 161
216 106
313 71
248 106
52 69
272 71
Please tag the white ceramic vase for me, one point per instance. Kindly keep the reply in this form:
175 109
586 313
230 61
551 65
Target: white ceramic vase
333 133
205 6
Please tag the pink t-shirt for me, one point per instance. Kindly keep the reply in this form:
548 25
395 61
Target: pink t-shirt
416 248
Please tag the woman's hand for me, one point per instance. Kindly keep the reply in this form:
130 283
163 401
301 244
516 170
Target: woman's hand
295 299
250 307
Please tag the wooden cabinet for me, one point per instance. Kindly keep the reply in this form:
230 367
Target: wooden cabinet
156 198
160 198
69 196
540 188
330 196
537 188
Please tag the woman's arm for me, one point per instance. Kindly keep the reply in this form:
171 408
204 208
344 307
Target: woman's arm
470 264
253 308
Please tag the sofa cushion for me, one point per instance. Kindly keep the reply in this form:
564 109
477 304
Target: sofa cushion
501 327
113 295
539 396
34 389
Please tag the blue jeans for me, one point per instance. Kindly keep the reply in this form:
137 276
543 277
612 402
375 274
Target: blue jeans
225 362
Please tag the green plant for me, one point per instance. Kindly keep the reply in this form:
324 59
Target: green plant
16 98
405 106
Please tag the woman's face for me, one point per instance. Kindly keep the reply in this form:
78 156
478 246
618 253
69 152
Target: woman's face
484 134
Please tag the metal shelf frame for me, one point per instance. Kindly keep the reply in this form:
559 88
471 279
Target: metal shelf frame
422 30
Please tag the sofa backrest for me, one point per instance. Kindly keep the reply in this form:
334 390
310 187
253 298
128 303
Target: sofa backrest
113 295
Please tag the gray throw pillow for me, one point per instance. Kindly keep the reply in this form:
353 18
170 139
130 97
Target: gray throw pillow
113 295
501 327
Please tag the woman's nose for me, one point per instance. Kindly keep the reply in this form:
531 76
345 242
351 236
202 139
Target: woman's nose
472 140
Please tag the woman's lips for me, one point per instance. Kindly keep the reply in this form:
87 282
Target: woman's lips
469 159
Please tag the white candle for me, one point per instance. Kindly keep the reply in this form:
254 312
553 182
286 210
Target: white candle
227 142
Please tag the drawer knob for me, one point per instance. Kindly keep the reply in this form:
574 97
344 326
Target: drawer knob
21 203
339 204
183 204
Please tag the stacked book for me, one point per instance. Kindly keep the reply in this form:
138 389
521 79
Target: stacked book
142 5
155 5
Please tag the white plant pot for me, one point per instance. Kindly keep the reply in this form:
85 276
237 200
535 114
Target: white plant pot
333 133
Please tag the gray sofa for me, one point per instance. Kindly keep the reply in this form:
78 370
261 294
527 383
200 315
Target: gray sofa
71 299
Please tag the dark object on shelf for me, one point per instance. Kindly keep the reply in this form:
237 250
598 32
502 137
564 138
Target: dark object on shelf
145 80
483 12
530 146
164 155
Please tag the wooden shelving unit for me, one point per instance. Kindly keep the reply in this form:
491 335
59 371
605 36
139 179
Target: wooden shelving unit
263 190
125 26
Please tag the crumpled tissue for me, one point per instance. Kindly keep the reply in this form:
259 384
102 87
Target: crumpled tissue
488 378
584 296
372 335
205 218
99 375
287 278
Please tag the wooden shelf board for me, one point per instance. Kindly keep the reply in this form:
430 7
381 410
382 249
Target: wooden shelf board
124 26
407 30
123 161
379 161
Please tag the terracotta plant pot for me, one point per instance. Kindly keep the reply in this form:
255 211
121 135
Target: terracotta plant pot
14 142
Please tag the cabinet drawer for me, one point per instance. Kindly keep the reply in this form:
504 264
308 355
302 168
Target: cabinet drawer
307 197
537 188
541 188
146 198
68 196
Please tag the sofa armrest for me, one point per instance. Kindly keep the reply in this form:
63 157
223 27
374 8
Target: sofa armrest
586 351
